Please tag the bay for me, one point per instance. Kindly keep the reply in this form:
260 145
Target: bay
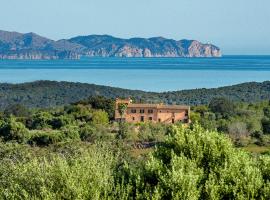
149 74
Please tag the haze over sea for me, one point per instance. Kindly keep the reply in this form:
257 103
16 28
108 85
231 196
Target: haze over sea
149 74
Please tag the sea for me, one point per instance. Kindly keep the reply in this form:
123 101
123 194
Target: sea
148 74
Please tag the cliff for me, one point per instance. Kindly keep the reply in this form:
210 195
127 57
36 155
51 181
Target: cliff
15 45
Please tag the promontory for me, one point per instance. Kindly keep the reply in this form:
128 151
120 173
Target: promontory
14 45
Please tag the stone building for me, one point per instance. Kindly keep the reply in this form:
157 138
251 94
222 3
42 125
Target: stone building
152 112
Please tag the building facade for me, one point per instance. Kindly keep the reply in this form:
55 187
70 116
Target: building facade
168 114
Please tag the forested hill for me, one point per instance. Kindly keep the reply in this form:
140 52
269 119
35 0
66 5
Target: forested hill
52 93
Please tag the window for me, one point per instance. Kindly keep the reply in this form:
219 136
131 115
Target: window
150 111
186 114
133 110
159 120
133 118
173 121
150 118
141 110
142 118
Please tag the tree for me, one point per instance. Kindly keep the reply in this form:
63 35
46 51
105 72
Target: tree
222 106
266 112
17 110
195 117
198 164
103 103
100 117
80 112
237 130
60 121
122 107
122 133
202 109
266 125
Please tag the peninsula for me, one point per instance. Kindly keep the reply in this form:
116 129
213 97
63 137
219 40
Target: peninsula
14 45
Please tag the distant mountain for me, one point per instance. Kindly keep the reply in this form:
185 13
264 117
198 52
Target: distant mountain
15 45
42 94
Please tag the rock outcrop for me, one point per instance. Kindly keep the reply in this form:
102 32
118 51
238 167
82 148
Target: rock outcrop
15 45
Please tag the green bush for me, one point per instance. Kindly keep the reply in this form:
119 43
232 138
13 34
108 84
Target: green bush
71 132
88 176
60 121
80 112
266 125
41 120
13 130
45 138
88 133
151 132
198 164
100 117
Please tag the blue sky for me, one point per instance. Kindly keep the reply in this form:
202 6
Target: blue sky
237 26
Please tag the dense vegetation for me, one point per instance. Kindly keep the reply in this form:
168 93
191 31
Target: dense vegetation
76 152
245 123
44 94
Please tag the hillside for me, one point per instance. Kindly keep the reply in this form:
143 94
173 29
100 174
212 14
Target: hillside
51 93
15 45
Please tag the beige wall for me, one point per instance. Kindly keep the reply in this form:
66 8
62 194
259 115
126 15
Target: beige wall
165 115
137 115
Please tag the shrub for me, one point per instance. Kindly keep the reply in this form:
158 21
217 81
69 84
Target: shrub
266 112
151 132
87 133
100 117
58 122
13 130
266 125
79 112
198 164
71 132
41 120
45 138
88 176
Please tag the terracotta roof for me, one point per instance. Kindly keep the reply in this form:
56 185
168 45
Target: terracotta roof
157 106
172 107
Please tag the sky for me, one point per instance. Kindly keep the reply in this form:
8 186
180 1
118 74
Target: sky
240 27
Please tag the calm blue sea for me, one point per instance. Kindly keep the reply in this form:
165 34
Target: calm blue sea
149 74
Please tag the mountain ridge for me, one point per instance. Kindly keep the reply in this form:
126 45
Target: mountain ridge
14 45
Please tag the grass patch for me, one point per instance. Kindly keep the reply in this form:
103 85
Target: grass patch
253 148
135 153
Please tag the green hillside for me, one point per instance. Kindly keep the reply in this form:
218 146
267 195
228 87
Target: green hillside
51 94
